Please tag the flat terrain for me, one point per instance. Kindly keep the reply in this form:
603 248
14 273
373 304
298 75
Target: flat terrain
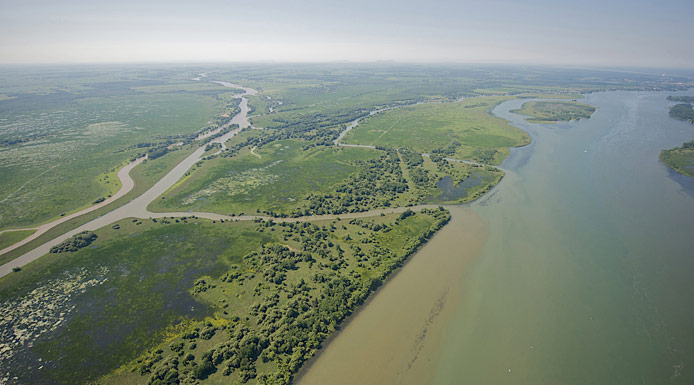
683 111
185 300
284 178
553 111
254 281
60 148
680 159
276 177
463 130
11 237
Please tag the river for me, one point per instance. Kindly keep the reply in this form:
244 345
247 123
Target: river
578 269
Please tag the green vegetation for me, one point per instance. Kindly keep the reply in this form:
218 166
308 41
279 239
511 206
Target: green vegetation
682 111
9 238
75 242
680 159
683 99
293 178
463 130
144 176
235 301
180 300
276 179
59 150
553 111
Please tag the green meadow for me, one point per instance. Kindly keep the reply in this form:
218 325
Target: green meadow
464 130
144 176
9 238
276 177
60 148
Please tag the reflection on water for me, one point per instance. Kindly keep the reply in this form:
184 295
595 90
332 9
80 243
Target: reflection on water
449 192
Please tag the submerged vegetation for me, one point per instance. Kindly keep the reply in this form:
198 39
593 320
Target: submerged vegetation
555 111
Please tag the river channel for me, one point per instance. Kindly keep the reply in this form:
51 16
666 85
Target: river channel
138 206
575 269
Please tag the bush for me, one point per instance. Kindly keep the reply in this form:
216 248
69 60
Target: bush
75 243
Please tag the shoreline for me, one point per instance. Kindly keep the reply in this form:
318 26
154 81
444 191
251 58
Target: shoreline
432 334
432 288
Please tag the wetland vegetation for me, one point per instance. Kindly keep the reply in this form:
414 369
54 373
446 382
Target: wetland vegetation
463 130
236 301
555 111
184 300
680 159
683 111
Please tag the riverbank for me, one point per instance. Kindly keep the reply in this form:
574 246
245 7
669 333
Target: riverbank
585 277
392 338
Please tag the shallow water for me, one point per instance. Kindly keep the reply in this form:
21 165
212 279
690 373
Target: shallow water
585 277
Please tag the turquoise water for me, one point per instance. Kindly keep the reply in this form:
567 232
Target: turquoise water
587 276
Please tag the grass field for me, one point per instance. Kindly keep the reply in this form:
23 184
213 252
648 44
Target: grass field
144 176
146 283
430 127
553 111
277 179
58 144
9 238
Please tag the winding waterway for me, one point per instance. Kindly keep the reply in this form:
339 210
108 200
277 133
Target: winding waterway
575 269
579 271
138 206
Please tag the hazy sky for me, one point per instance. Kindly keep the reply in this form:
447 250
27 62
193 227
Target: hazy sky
579 32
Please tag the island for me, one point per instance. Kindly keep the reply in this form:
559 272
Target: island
682 111
680 159
555 111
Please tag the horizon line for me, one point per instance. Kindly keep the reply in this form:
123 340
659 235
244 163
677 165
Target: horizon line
609 67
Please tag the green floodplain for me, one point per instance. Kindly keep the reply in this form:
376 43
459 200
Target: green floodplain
185 300
11 237
681 159
555 111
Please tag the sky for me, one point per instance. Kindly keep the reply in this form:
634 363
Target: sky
635 33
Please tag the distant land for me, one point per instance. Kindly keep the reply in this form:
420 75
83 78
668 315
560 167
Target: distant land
555 111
